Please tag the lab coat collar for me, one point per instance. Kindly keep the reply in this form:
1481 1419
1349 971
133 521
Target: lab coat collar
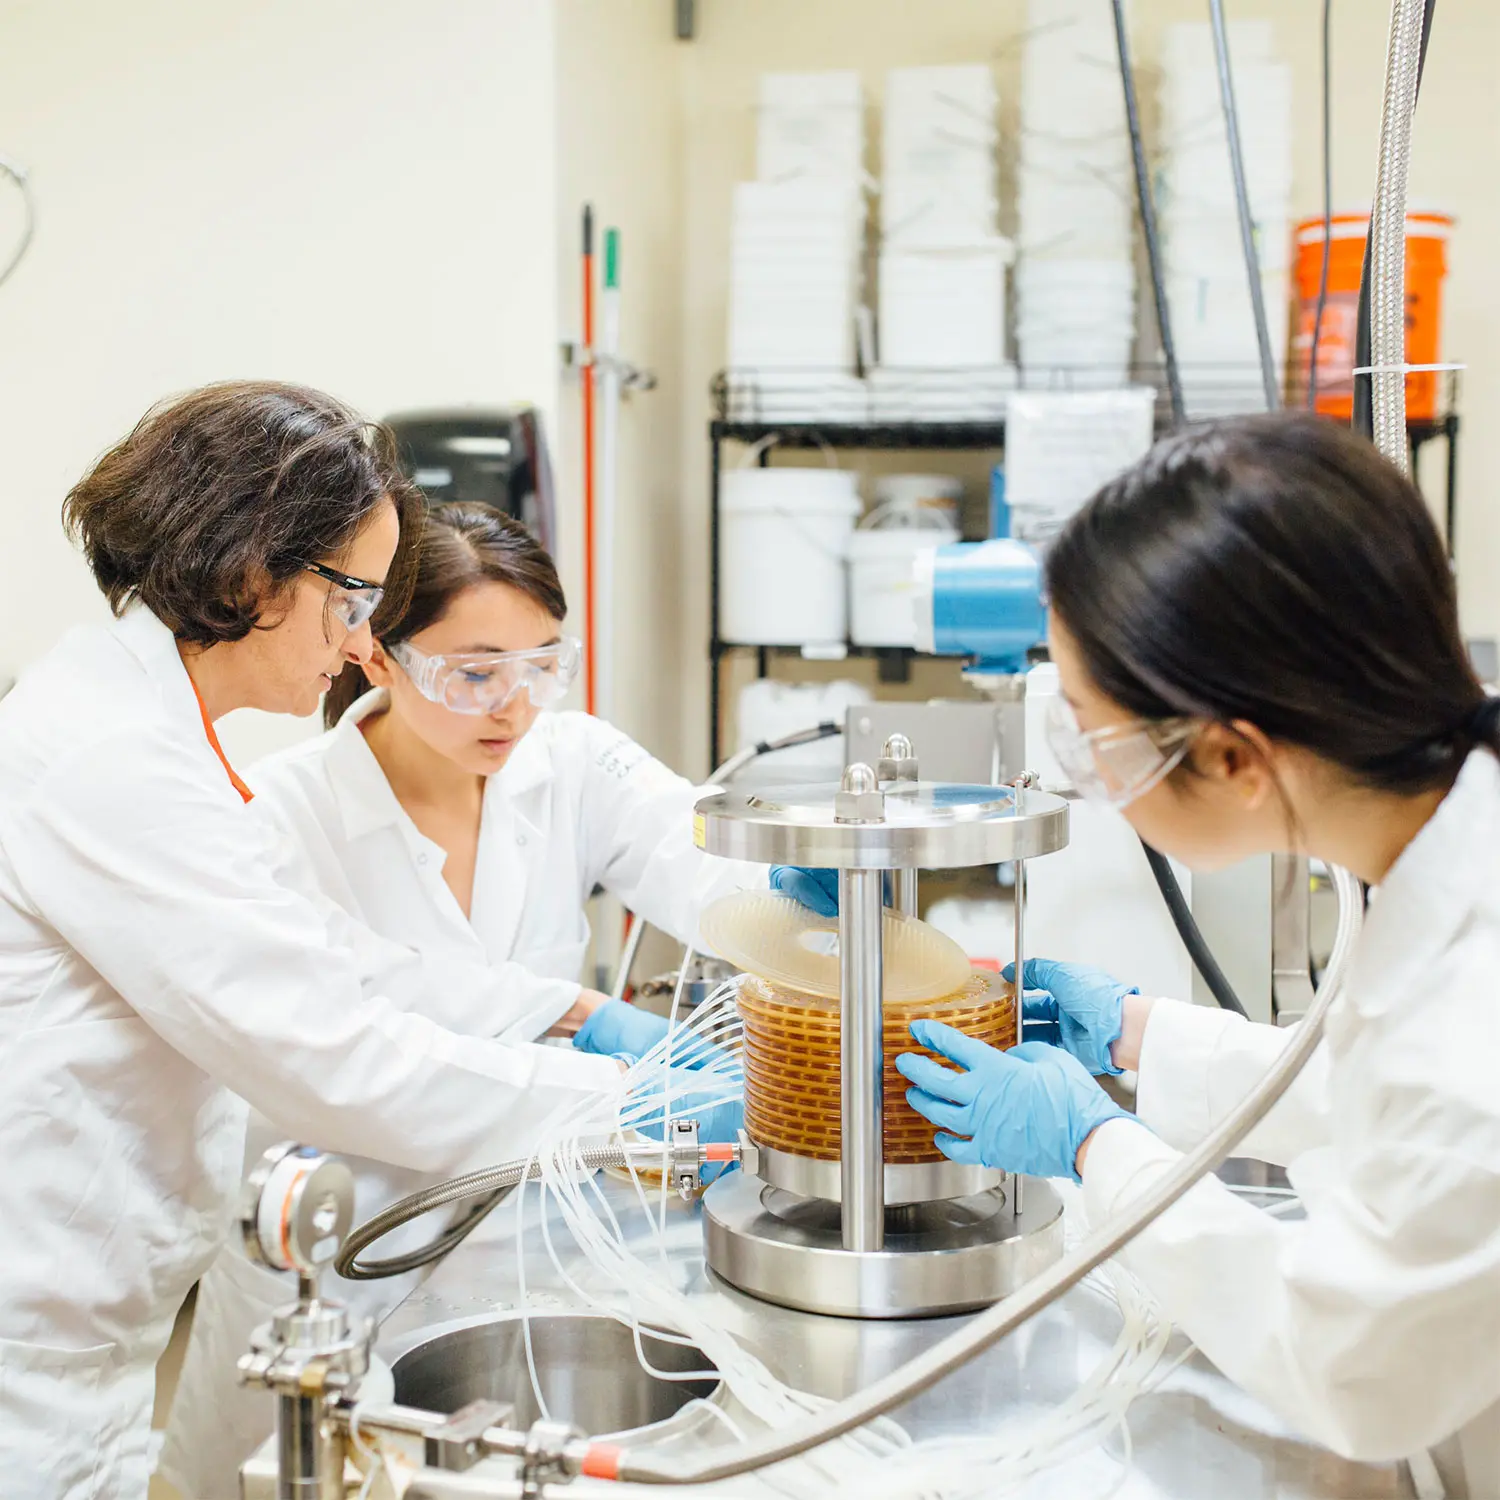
1447 871
366 801
155 647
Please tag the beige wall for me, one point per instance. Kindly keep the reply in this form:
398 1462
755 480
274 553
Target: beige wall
357 194
620 148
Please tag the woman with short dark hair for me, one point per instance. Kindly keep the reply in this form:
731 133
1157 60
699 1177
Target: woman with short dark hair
1258 647
151 961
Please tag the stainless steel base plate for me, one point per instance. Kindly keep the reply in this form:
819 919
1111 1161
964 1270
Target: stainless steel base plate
943 1257
905 1182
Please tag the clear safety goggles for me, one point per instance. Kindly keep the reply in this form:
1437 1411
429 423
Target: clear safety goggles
1120 762
351 600
473 684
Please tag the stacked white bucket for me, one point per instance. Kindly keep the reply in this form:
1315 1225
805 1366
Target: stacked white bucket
1075 281
942 258
797 254
911 513
783 555
1207 289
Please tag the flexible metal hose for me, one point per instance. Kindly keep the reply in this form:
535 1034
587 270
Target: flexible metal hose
911 1379
492 1181
1364 410
1388 232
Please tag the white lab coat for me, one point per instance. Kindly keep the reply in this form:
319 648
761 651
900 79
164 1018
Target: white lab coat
1373 1326
578 805
148 958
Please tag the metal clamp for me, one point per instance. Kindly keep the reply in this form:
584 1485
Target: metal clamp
749 1155
859 798
547 1455
682 1156
459 1442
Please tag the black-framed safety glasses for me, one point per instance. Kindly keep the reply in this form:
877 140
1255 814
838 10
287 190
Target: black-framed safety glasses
353 600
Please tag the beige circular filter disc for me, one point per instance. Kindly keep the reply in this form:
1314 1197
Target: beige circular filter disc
779 940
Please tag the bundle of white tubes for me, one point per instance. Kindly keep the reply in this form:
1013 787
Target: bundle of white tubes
636 1282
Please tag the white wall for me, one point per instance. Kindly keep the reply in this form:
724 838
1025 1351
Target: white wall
355 194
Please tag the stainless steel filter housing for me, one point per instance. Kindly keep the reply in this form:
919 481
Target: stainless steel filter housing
858 1238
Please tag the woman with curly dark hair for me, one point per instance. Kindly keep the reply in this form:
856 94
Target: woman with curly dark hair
158 956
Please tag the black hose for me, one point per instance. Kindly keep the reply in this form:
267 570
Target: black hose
1187 929
1147 206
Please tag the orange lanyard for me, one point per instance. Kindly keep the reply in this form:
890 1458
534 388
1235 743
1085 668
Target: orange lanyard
208 728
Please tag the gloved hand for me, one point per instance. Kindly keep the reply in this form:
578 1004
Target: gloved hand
817 890
720 1121
1080 1010
617 1029
1027 1110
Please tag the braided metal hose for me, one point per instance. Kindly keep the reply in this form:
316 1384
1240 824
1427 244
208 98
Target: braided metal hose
488 1182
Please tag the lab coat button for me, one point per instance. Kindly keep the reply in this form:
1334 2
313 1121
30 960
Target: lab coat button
421 859
521 840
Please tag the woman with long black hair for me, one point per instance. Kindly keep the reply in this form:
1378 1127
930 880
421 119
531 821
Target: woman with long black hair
1257 642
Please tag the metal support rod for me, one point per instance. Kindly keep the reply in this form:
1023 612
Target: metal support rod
1019 988
1291 939
715 463
301 1474
906 892
862 1060
1242 203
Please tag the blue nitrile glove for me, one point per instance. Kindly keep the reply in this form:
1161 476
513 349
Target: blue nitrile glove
1081 1010
817 890
721 1121
617 1027
1027 1110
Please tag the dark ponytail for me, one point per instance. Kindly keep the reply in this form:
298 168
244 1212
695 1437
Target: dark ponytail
459 545
1278 570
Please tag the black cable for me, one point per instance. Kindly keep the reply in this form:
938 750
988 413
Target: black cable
1147 206
1244 214
1317 334
1187 929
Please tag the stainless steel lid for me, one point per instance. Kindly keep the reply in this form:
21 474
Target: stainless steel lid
910 824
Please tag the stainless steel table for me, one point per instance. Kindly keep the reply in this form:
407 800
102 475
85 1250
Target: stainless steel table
1196 1436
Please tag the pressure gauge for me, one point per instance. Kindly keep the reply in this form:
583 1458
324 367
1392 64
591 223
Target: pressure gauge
297 1208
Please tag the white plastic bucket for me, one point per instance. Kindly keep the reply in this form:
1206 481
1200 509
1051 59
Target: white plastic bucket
881 582
906 500
783 540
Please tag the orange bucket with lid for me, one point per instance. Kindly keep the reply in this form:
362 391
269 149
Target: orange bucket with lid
1427 236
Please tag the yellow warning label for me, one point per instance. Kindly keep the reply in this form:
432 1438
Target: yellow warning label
700 831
